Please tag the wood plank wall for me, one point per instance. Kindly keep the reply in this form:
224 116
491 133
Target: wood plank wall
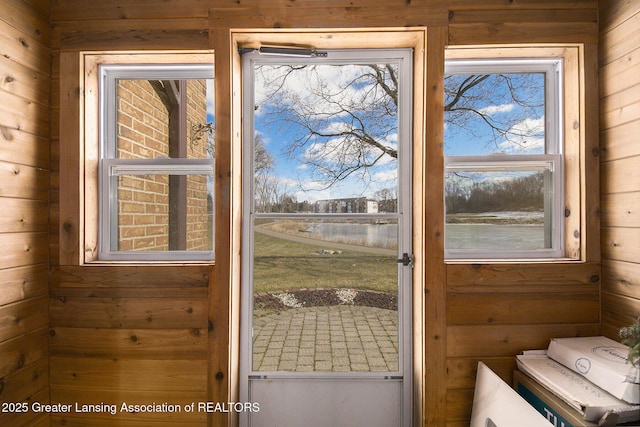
25 70
137 332
130 334
120 334
619 62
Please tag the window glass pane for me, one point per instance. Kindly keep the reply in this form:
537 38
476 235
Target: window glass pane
163 212
306 269
164 118
326 135
495 113
498 210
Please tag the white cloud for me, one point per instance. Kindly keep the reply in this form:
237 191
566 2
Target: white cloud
496 109
339 151
333 151
305 84
526 136
528 126
386 176
311 191
523 146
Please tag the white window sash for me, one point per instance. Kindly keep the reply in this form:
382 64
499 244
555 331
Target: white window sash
110 170
552 165
118 167
111 73
111 167
552 68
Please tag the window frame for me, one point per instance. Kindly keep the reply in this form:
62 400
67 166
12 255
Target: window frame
553 69
94 235
553 196
111 169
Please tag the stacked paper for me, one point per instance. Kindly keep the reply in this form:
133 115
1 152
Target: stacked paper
602 361
579 393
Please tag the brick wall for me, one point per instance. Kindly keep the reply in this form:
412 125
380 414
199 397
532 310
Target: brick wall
143 201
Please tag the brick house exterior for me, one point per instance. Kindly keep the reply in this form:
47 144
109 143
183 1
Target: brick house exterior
143 120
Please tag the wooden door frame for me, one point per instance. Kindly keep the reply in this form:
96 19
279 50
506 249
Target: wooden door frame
428 314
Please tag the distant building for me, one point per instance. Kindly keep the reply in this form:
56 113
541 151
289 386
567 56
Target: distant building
349 205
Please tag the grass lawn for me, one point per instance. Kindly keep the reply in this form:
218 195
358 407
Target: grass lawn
282 264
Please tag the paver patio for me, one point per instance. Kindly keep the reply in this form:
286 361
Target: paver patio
339 338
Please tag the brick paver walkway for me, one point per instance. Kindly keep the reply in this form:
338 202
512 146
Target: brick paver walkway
338 338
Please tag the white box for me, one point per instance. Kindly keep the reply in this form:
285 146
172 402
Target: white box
602 361
579 393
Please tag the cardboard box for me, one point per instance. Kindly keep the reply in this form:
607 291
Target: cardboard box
602 361
549 405
578 393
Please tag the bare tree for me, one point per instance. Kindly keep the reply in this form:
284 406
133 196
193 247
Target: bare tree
264 181
345 121
494 108
387 199
340 129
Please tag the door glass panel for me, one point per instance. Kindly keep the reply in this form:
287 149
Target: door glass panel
325 295
325 217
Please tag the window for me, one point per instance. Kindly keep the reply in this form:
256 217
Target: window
504 178
155 166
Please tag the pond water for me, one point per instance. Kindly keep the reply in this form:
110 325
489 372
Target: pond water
360 234
527 234
509 230
490 236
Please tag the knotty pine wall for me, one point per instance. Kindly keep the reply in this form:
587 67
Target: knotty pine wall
25 70
619 62
162 333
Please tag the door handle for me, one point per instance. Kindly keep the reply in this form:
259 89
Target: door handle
406 259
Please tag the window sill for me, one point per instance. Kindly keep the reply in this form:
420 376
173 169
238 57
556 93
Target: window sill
163 263
490 261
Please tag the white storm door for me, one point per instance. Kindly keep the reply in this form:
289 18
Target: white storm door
327 264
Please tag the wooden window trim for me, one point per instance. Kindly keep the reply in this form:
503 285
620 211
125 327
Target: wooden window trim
79 146
415 38
573 94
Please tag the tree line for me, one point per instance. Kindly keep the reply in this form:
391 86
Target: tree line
524 193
